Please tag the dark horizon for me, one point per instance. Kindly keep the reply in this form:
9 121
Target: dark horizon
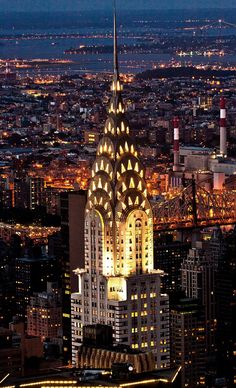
23 20
107 10
90 5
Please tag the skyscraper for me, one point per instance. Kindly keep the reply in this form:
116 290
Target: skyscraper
198 281
44 314
207 276
32 274
72 206
119 285
188 341
168 256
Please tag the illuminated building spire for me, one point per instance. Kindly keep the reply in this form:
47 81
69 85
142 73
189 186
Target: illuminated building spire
118 192
119 269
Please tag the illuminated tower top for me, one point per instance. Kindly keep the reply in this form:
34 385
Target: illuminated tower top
118 223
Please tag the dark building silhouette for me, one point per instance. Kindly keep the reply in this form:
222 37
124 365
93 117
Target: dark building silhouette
72 224
198 282
68 246
7 285
97 335
6 194
32 274
21 193
168 256
207 277
231 254
11 356
224 296
188 341
36 192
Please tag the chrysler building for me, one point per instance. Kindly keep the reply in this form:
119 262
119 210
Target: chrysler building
119 285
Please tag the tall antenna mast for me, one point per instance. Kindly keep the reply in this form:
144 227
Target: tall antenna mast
115 54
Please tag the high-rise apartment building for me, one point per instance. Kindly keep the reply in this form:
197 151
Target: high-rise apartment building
32 275
36 192
198 282
44 314
168 256
72 208
188 342
7 285
118 285
71 251
207 277
6 193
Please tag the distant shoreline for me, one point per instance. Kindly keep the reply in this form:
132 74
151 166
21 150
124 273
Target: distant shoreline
188 72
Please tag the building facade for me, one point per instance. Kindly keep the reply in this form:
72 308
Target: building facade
69 245
32 275
207 276
168 256
44 314
198 281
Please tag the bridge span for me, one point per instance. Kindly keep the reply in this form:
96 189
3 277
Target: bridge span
194 207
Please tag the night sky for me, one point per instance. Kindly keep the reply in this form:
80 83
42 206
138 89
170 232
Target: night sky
50 5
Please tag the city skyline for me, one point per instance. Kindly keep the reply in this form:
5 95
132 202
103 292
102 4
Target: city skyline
117 195
79 5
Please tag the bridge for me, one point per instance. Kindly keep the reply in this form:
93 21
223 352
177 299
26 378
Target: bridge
194 207
214 24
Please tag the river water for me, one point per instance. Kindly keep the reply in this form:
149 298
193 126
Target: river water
90 29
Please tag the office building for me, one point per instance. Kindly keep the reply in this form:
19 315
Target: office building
168 256
207 277
7 285
32 275
44 314
188 342
198 282
71 251
36 192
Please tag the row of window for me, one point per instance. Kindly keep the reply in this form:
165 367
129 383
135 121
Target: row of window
143 296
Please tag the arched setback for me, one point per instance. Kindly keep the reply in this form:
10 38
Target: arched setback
94 241
130 181
106 147
135 244
129 162
101 183
98 244
125 148
102 163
